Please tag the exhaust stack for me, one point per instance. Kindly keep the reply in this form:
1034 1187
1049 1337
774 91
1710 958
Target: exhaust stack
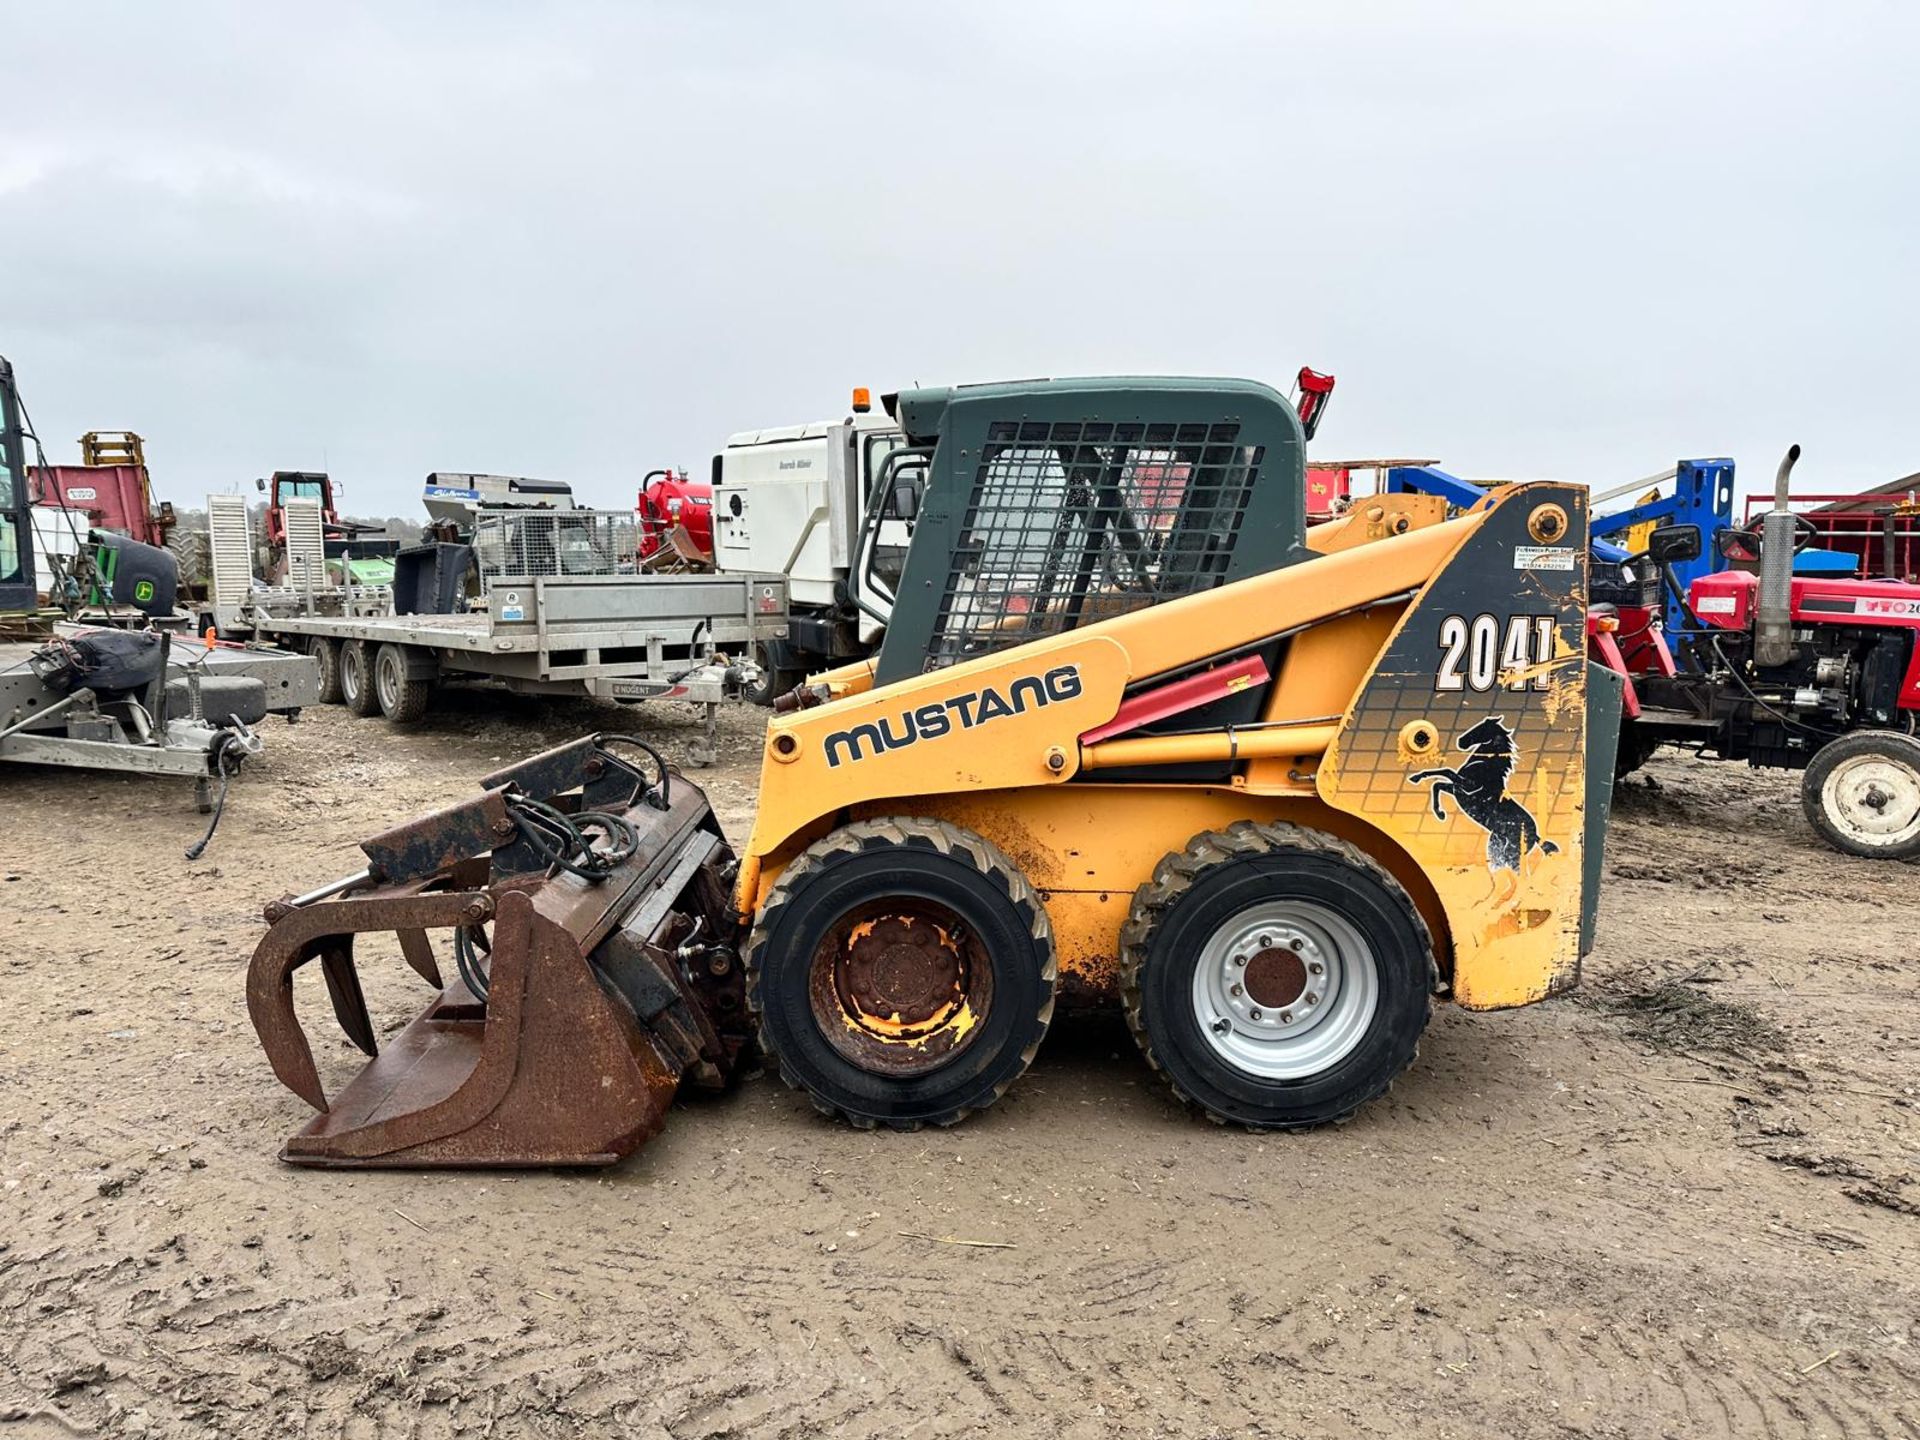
1773 629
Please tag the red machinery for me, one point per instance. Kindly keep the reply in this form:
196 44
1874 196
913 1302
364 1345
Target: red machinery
338 537
1880 529
670 501
1311 392
109 486
1780 670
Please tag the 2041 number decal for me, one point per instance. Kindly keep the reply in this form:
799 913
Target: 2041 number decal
1477 651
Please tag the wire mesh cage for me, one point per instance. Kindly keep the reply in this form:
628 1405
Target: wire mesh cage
525 544
1070 522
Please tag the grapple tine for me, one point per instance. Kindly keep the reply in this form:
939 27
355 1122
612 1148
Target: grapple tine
417 950
343 988
298 935
270 1007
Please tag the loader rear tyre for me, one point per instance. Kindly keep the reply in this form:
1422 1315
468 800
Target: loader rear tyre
356 678
326 654
1279 978
402 682
902 972
1862 794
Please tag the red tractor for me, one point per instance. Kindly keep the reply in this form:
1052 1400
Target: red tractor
1780 670
670 502
346 545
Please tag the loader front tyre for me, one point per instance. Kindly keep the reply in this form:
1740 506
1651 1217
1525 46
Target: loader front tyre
402 682
356 679
326 655
902 972
1862 794
1279 978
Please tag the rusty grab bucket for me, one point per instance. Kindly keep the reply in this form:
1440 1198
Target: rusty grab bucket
585 910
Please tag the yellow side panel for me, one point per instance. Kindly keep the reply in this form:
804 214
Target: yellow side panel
799 784
1320 673
991 724
1086 848
1378 518
1466 745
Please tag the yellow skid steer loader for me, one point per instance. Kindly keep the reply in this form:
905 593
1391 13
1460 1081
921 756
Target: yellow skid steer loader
1134 736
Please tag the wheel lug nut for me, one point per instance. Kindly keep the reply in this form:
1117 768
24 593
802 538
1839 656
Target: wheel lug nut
1286 1017
1312 999
1296 943
1266 942
1240 960
1256 1014
1316 968
1236 990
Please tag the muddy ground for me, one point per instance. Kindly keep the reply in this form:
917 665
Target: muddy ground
1680 1204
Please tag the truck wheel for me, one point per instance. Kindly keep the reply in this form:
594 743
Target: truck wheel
778 674
1862 794
356 679
902 972
327 654
1278 977
402 681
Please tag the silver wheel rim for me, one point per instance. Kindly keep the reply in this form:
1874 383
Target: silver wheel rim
1251 1011
1874 800
387 683
352 674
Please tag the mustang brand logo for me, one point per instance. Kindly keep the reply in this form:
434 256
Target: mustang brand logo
930 722
1479 788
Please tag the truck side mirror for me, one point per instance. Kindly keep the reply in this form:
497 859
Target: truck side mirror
261 485
1673 544
906 498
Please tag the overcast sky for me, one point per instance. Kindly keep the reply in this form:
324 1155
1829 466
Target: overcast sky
580 241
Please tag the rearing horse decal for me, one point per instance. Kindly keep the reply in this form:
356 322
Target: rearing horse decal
1479 787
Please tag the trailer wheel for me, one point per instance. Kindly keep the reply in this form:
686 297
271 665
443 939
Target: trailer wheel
1862 794
1279 978
902 972
327 654
356 679
403 682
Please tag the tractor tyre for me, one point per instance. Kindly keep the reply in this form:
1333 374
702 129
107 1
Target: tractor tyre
902 973
193 554
326 654
356 678
1862 794
402 682
1278 978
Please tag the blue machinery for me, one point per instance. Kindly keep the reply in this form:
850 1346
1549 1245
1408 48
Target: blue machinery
1702 495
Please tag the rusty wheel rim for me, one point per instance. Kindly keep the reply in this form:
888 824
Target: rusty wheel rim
900 987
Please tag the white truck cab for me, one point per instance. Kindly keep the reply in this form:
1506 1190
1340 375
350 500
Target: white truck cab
792 501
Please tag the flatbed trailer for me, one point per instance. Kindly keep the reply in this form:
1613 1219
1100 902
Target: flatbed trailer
613 637
183 724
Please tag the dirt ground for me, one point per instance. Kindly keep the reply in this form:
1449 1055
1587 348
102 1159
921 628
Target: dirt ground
1680 1203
